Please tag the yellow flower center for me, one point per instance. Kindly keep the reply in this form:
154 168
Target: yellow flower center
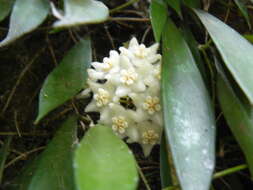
128 76
119 124
150 137
151 104
141 52
102 97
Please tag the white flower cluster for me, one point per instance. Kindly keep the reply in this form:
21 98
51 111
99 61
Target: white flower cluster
126 93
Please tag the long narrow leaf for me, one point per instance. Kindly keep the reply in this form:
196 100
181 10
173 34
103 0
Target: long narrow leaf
235 50
176 5
158 14
192 3
193 45
165 170
242 7
239 121
188 114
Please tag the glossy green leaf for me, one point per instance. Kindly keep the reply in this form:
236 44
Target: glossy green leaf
242 7
103 161
188 114
158 14
77 12
165 174
66 80
176 5
54 169
26 16
5 7
192 3
249 37
238 119
235 50
193 45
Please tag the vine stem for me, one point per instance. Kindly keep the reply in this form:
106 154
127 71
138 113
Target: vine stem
218 174
23 155
229 171
206 45
22 134
143 177
128 3
19 79
129 19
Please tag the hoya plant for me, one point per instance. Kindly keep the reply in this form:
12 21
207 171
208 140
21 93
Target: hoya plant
126 95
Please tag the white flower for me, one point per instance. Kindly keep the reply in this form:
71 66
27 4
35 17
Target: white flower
157 71
141 51
139 54
112 62
101 94
150 134
129 82
119 124
113 110
126 87
150 137
95 75
102 70
128 77
151 104
102 97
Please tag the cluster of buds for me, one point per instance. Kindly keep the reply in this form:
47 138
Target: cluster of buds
126 93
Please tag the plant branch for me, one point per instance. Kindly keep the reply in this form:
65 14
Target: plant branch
129 19
128 3
143 177
229 171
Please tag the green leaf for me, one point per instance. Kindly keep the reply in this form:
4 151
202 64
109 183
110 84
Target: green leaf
249 37
237 117
66 80
164 165
176 5
158 14
5 8
193 45
54 169
77 12
235 50
192 3
242 7
188 114
26 16
103 161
